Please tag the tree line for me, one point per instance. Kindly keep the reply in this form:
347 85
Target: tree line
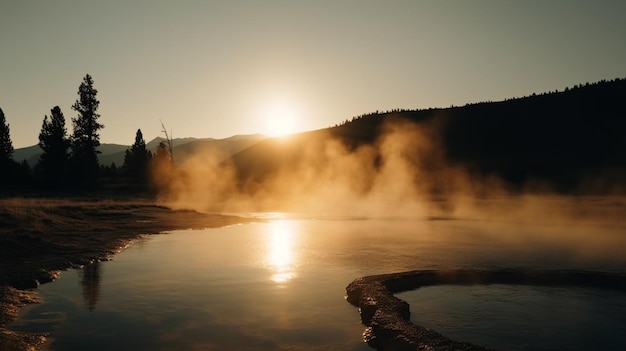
569 141
71 161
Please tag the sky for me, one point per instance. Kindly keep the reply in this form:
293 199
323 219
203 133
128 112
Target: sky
213 69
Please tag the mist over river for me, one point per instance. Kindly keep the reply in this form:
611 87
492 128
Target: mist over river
280 284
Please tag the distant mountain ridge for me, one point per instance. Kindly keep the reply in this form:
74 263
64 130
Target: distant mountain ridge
183 148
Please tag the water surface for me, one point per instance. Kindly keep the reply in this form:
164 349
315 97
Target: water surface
516 318
280 285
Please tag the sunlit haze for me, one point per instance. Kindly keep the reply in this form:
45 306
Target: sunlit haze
221 68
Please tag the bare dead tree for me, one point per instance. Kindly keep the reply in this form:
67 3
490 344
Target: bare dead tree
168 138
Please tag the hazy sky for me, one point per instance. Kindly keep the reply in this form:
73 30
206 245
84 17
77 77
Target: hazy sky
219 68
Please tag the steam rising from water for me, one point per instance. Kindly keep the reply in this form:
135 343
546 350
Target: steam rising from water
401 174
326 176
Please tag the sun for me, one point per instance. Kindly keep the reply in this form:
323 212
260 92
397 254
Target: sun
280 119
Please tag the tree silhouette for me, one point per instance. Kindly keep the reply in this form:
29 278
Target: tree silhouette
85 138
137 158
6 146
162 158
9 169
53 141
162 167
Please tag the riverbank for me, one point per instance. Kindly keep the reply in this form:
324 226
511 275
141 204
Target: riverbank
41 237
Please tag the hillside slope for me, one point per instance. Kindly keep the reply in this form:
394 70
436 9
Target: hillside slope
567 141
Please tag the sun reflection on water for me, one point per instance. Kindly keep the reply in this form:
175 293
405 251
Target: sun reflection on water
280 254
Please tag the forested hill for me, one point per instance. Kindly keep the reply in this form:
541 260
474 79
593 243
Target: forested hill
560 139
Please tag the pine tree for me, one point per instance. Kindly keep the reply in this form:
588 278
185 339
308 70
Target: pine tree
137 158
6 146
85 138
162 154
9 169
53 141
162 168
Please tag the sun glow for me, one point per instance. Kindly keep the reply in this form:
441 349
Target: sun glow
280 119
